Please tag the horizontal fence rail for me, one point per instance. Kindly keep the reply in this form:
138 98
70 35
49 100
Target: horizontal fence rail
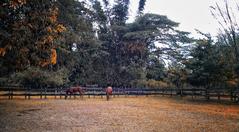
27 92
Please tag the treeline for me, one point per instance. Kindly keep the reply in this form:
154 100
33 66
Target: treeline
68 42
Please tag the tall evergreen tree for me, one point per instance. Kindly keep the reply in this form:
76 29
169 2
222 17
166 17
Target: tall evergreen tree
141 7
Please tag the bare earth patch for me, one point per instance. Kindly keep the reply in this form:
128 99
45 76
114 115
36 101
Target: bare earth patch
139 114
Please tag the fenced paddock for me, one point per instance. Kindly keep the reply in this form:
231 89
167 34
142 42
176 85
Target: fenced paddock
131 114
129 109
11 92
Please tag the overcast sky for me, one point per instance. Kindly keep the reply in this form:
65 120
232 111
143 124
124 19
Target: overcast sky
191 14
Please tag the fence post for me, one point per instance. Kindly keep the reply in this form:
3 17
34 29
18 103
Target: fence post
231 94
171 94
154 92
45 91
193 93
147 92
60 92
207 94
55 91
113 93
118 91
163 91
9 93
181 92
12 93
124 91
25 92
137 92
141 92
29 93
237 96
41 92
88 95
218 95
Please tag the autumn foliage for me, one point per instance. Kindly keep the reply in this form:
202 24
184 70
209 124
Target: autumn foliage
34 30
17 3
52 60
2 51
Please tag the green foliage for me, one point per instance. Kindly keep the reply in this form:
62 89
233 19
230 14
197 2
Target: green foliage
28 32
155 69
211 65
157 84
98 46
124 49
141 7
99 14
120 12
150 84
37 77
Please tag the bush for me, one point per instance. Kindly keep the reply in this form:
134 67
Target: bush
139 83
37 77
3 81
157 84
150 84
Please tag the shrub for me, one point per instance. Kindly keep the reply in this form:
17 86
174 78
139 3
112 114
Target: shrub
37 77
150 84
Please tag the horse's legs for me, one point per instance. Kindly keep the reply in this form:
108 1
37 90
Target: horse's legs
81 94
107 96
66 95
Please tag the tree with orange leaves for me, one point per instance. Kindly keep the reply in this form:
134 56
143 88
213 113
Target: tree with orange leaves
28 33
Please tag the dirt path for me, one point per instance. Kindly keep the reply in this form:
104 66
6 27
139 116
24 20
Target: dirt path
139 114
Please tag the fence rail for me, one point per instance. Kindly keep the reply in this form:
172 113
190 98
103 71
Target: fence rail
13 91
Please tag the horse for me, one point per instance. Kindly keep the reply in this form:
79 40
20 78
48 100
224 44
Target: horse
108 91
73 90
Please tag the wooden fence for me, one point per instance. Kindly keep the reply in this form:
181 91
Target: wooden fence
11 92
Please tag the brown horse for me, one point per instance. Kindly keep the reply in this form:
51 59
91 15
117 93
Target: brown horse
72 90
108 91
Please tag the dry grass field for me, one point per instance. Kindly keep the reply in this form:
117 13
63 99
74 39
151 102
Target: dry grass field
133 114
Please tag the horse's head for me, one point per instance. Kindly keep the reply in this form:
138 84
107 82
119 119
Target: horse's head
81 90
69 90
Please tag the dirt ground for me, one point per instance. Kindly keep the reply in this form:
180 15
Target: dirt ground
131 114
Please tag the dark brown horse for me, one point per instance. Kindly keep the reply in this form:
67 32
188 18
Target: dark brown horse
72 90
108 91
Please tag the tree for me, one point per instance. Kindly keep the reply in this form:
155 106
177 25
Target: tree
229 31
141 7
130 46
228 39
29 31
95 45
210 65
80 49
120 12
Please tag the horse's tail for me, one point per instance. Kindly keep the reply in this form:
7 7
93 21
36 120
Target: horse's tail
107 96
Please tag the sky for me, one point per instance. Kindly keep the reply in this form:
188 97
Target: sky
191 14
